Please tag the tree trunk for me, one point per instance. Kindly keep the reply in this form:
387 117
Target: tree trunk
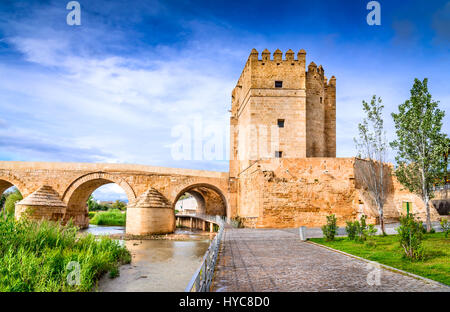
428 213
380 211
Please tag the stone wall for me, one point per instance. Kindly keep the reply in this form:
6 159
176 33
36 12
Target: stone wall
74 182
296 192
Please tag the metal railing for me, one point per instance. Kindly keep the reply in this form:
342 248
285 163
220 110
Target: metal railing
441 187
202 278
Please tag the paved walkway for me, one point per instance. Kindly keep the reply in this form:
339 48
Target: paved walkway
276 260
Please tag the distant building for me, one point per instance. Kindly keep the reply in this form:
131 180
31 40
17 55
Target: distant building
186 205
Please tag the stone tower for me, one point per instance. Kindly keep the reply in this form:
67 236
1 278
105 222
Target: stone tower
280 110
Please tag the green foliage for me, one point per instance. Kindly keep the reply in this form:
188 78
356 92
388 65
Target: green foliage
352 229
2 200
10 202
410 237
110 217
445 225
370 243
185 196
237 222
420 143
34 256
118 204
93 205
330 229
359 230
386 249
362 228
371 230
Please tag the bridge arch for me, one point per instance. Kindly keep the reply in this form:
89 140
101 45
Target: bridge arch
78 192
210 198
8 181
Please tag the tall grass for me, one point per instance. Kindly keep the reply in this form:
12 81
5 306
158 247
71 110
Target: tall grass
34 256
110 217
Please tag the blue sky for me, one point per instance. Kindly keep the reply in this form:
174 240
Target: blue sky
114 88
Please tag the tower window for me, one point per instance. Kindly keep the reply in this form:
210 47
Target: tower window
320 100
280 123
278 84
278 154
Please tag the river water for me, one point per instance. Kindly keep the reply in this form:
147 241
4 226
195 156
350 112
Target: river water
156 265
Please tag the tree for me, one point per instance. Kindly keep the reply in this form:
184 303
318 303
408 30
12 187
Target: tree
372 146
2 200
118 204
420 143
10 202
92 204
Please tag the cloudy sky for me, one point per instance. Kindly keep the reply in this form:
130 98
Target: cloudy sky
136 75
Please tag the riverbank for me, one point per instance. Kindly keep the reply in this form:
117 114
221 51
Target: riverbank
48 257
109 217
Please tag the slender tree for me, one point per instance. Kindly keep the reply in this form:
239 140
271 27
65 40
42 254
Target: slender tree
420 143
372 146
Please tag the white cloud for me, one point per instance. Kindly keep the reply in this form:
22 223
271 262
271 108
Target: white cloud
110 192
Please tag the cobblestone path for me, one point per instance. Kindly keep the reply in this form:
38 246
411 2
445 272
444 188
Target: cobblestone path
276 260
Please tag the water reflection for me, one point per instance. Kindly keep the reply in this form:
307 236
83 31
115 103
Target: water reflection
157 265
103 230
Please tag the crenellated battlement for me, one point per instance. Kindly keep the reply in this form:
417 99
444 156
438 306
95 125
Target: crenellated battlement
277 55
277 88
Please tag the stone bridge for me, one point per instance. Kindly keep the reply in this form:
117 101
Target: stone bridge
57 191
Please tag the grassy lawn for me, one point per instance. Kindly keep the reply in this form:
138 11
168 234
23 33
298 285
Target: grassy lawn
387 250
110 217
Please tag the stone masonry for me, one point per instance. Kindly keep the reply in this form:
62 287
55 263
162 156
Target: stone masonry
283 166
60 191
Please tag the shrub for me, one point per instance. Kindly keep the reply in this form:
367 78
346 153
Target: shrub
351 230
237 222
371 230
411 234
362 236
423 228
445 225
10 202
359 230
34 256
330 229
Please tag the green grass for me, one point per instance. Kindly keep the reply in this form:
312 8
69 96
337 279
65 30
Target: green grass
34 256
387 250
110 217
